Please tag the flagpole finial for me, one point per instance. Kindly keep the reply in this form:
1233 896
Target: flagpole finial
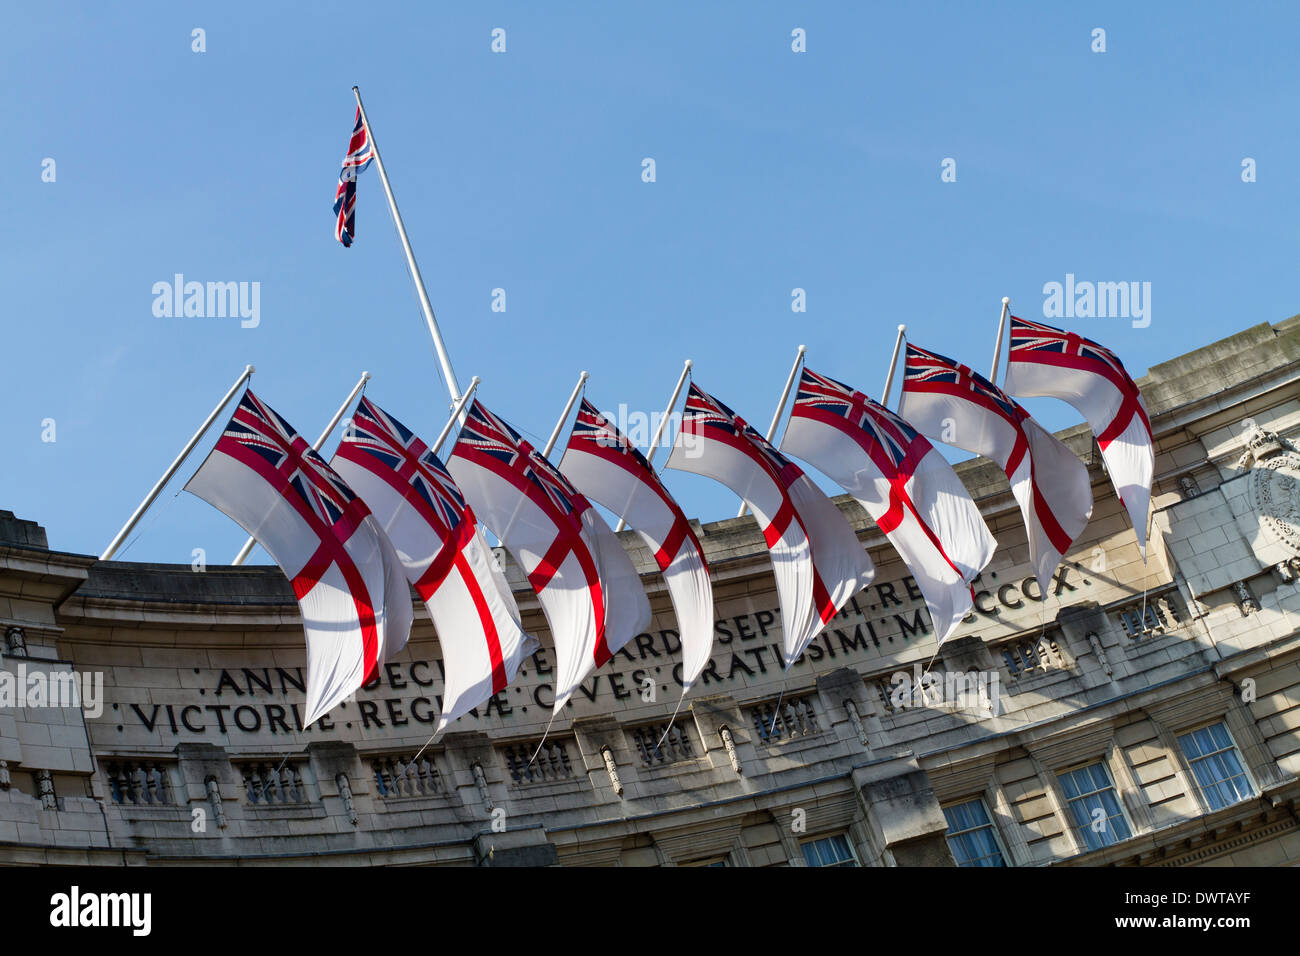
585 375
248 369
690 364
901 327
802 349
1006 300
356 89
473 384
365 376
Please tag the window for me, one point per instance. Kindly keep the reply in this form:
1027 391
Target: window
1139 621
971 835
710 861
829 851
538 762
1094 807
1216 765
796 717
661 744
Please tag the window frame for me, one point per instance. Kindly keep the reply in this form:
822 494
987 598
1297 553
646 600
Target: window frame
991 825
848 842
1191 770
1076 831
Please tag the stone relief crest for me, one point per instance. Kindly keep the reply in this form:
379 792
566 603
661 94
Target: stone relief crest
1275 483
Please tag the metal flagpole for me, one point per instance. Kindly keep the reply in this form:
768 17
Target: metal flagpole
173 468
546 453
439 346
893 363
456 409
663 423
564 416
780 407
365 377
997 349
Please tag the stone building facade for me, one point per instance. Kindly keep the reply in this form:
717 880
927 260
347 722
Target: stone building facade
1135 714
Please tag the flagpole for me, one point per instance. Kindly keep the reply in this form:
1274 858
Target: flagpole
663 423
780 407
546 452
439 346
361 383
456 409
564 415
997 349
893 363
173 468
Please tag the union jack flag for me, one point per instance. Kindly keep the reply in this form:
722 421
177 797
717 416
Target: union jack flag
907 487
360 153
705 413
894 445
932 372
553 541
382 436
1032 342
260 429
1028 338
265 476
593 427
493 436
1049 481
818 560
603 439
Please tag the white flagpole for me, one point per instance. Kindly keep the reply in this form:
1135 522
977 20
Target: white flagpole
780 407
564 415
247 549
997 349
439 346
663 423
456 410
546 452
893 364
173 468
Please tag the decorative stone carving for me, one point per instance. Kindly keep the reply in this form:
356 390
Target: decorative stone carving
45 788
345 792
611 768
15 641
1187 484
1275 488
852 710
1285 572
730 744
5 779
481 782
1274 485
1244 598
214 800
1261 445
1095 643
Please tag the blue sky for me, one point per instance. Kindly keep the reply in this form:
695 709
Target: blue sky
775 170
